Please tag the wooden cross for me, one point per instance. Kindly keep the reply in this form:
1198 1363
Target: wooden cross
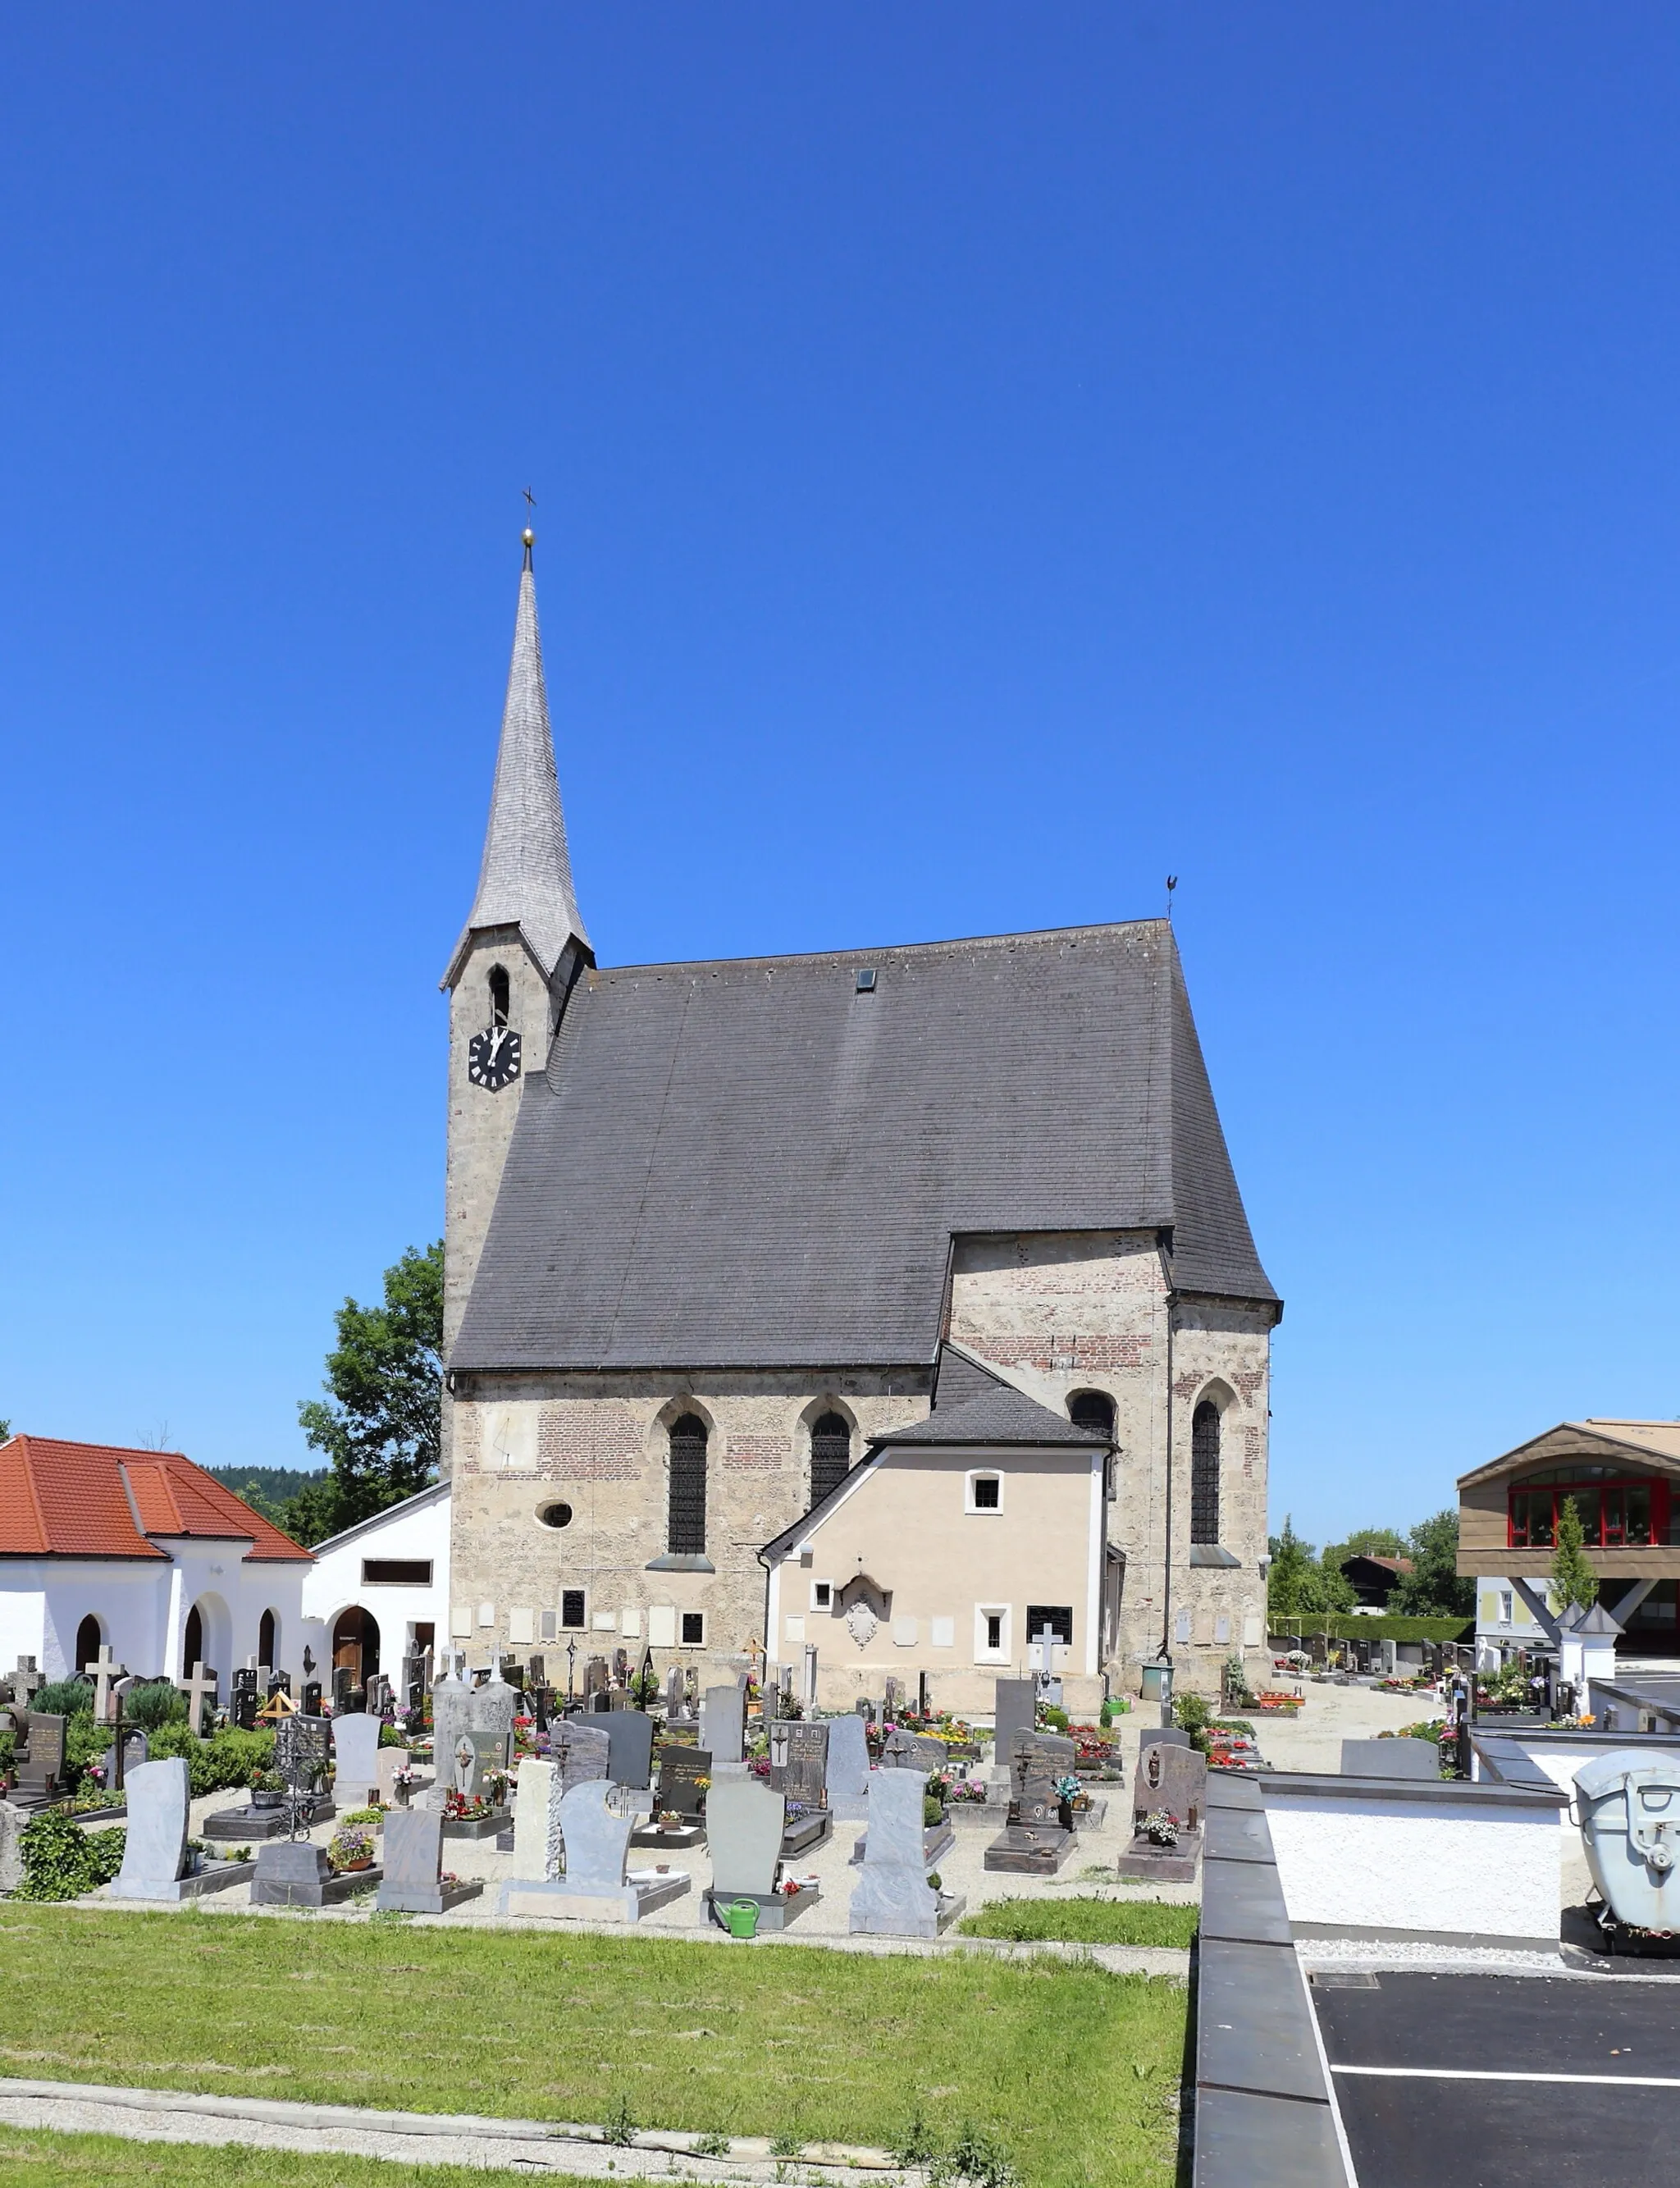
199 1689
104 1671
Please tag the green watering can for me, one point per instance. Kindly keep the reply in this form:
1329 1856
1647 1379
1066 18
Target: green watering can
741 1916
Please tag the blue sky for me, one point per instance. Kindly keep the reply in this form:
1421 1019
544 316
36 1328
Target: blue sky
987 458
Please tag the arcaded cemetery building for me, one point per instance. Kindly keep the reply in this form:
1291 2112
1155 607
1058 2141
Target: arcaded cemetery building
1624 1478
144 1555
708 1226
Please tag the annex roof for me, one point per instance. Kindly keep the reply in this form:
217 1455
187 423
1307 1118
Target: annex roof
1594 1441
83 1500
763 1161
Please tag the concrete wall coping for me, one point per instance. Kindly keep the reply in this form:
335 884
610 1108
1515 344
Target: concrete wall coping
1444 1793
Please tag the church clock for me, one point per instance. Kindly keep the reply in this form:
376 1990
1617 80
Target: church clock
493 1058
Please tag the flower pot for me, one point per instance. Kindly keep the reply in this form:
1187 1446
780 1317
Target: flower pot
267 1800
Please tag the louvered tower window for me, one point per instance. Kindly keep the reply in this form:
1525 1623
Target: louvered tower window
830 1454
687 1534
1204 1473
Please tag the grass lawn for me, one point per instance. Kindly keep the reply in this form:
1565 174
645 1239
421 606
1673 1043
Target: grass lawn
1086 1922
31 2160
1074 2069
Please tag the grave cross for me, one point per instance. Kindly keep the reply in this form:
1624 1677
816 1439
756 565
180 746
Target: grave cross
200 1688
25 1682
1047 1649
102 1672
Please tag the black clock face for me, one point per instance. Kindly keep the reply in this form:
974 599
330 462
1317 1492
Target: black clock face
493 1058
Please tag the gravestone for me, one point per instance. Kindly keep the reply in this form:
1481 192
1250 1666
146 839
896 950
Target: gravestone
1016 1705
723 1723
913 1750
598 1885
1167 1735
848 1769
1036 1840
413 1879
581 1753
1175 1780
449 1698
1390 1758
246 1703
25 1681
136 1748
490 1710
674 1710
595 1677
311 1697
537 1847
155 1863
799 1767
680 1771
629 1749
12 1821
892 1897
895 1696
40 1768
389 1762
356 1750
104 1672
343 1685
744 1826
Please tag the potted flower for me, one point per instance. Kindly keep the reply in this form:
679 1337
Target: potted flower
351 1849
267 1789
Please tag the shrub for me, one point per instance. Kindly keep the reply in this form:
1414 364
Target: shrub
1051 1718
227 1759
63 1697
1190 1713
61 1861
9 1754
85 1742
976 2155
154 1705
932 1812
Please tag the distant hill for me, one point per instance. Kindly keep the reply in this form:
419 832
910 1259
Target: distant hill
266 1489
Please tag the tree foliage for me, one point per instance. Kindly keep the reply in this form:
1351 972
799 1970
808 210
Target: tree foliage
1299 1583
1434 1587
380 1424
1364 1543
1573 1579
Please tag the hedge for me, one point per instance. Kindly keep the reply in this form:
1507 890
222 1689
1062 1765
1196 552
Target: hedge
1337 1626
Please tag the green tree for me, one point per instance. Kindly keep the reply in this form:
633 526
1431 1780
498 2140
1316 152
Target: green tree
1573 1579
1298 1586
380 1424
1434 1587
5 1431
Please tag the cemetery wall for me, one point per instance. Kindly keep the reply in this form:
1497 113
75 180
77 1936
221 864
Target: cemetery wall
1418 1862
1059 1313
599 1444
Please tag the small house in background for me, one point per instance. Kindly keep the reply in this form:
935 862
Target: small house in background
145 1554
947 1551
379 1591
1373 1578
1624 1478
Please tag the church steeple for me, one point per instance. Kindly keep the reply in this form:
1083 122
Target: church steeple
525 879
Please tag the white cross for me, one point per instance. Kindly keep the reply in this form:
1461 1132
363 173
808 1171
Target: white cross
201 1687
102 1672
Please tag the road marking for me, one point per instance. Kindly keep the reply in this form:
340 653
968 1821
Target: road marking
1482 2074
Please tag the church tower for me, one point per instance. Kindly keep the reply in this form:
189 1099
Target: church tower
523 945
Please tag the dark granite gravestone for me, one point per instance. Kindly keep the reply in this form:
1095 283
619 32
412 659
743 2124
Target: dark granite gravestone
913 1750
798 1771
629 1748
1016 1705
680 1771
1037 1839
1171 1780
293 1873
412 1880
39 1766
245 1701
311 1697
343 1683
595 1677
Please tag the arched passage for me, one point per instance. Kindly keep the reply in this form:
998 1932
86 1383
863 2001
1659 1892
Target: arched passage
267 1639
207 1638
88 1639
355 1643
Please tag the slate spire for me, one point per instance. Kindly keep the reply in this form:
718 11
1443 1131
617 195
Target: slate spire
525 880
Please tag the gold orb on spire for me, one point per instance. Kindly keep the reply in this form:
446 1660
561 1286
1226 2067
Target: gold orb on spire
528 537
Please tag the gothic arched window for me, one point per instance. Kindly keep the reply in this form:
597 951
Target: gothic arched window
687 1535
1204 1473
830 1454
500 996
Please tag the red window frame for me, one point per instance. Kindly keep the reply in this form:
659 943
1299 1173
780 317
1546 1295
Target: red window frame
1611 1500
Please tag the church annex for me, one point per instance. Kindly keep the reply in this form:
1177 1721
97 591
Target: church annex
709 1226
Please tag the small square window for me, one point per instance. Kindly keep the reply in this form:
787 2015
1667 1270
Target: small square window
571 1606
985 1492
822 1595
694 1629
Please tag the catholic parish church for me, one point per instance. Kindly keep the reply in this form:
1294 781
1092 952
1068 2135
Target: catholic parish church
874 1309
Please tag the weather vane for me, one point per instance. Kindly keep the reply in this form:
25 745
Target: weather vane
528 537
1172 884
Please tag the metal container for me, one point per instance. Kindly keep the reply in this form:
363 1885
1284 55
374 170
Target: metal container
1628 1806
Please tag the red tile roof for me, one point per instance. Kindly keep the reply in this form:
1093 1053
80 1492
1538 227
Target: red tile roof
87 1500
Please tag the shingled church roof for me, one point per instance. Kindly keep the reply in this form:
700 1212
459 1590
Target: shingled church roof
763 1161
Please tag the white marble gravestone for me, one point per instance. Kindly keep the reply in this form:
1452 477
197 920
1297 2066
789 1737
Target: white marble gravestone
892 1897
537 1837
597 1885
155 1862
355 1739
